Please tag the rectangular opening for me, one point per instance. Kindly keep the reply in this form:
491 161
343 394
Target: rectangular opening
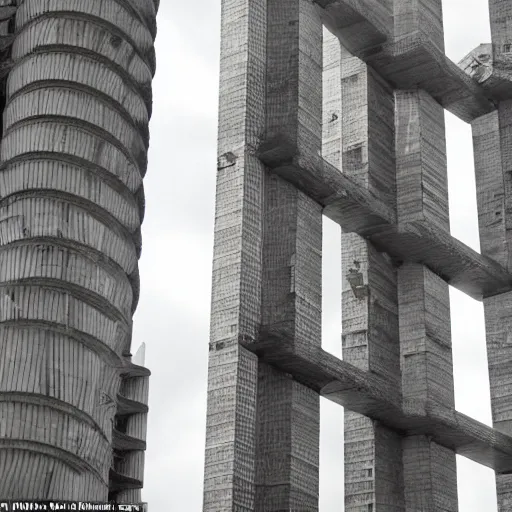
331 240
470 371
476 487
461 182
332 469
476 484
471 375
331 287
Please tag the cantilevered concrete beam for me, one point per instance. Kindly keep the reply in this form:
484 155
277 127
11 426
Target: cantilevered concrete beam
356 210
367 394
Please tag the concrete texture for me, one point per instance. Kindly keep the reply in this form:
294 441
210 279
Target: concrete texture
273 257
76 100
371 155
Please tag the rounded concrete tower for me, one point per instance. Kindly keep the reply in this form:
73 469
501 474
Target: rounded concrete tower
77 94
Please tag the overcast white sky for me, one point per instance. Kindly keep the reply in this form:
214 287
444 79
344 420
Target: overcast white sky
173 313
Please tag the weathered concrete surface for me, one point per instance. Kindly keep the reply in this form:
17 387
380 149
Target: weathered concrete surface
369 295
421 240
492 76
230 462
430 472
372 451
493 195
288 422
267 263
491 141
370 334
404 44
382 177
372 396
74 146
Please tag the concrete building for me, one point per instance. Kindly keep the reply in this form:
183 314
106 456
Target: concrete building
76 99
367 149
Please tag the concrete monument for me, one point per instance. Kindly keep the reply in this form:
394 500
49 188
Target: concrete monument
367 149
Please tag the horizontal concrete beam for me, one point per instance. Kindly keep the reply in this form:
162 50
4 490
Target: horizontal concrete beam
124 442
362 26
126 406
356 210
365 29
133 370
460 266
120 482
414 63
344 200
367 394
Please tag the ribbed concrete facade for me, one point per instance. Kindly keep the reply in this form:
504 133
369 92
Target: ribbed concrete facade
77 100
352 127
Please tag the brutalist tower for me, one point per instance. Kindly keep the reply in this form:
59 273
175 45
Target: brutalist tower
352 127
76 99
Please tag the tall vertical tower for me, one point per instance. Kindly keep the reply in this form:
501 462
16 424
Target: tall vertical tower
76 100
367 149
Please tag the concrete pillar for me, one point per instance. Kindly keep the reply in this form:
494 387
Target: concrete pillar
419 19
373 458
492 145
424 308
288 412
492 142
233 372
267 263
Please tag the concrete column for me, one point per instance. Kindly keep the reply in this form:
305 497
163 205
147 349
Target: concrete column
288 413
267 263
500 13
490 187
419 19
331 100
367 127
236 308
492 142
424 308
492 151
373 458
